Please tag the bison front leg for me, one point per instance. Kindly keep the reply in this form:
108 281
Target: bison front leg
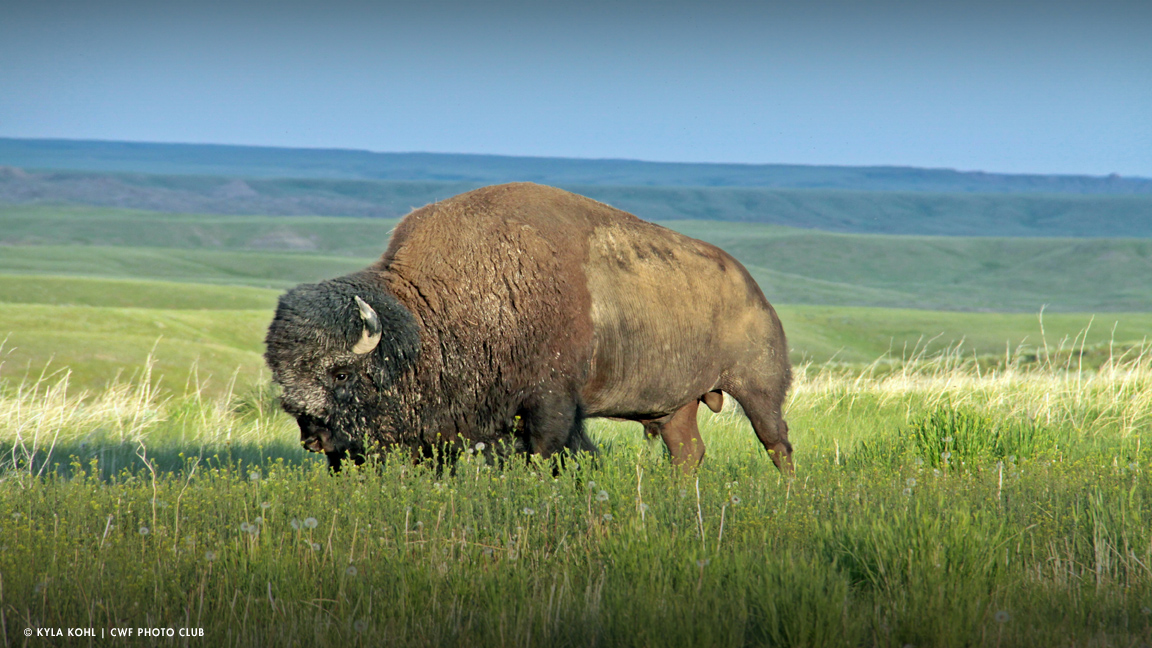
554 421
682 436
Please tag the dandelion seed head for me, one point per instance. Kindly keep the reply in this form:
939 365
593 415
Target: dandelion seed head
919 461
254 476
311 522
209 556
528 511
1146 611
419 526
145 531
351 571
480 447
602 496
1002 617
945 455
265 505
607 517
315 546
592 485
360 626
947 439
936 472
643 507
245 527
911 481
907 492
259 520
295 523
735 499
702 563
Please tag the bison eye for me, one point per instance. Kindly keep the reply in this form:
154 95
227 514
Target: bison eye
340 377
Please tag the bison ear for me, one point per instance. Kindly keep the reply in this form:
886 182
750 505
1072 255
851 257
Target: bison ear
370 337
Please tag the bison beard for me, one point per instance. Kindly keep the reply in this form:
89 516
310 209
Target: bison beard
507 314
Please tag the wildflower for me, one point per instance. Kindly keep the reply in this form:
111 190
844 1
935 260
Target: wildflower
947 439
702 563
607 517
907 492
911 481
245 527
209 556
360 626
602 496
295 523
419 526
351 571
310 522
528 511
144 531
1002 617
265 505
480 447
945 455
254 476
735 500
591 485
315 546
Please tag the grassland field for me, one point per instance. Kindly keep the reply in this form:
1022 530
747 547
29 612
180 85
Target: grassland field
963 478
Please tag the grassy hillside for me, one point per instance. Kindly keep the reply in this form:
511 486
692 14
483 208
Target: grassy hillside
794 266
489 169
883 212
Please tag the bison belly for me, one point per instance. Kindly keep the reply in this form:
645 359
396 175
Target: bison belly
672 318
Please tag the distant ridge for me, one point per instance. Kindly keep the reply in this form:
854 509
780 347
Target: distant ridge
834 210
474 170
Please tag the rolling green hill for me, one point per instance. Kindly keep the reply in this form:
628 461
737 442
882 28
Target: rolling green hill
104 328
841 210
794 266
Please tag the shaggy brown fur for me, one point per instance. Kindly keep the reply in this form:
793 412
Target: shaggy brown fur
513 311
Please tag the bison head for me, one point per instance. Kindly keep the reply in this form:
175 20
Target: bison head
339 350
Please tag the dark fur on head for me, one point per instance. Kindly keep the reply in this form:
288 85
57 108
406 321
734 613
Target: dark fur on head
339 398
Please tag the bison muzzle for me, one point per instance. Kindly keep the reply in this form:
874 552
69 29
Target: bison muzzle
509 314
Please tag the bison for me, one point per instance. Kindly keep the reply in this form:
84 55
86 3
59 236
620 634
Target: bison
512 312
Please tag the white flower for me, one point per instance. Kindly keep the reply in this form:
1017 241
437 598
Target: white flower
480 447
254 476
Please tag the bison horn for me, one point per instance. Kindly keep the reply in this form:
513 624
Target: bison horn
370 337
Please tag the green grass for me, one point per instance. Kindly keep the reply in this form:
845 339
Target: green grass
130 510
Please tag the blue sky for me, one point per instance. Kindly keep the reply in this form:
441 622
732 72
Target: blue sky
1037 86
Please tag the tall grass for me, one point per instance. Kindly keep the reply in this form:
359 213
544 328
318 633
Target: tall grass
936 503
